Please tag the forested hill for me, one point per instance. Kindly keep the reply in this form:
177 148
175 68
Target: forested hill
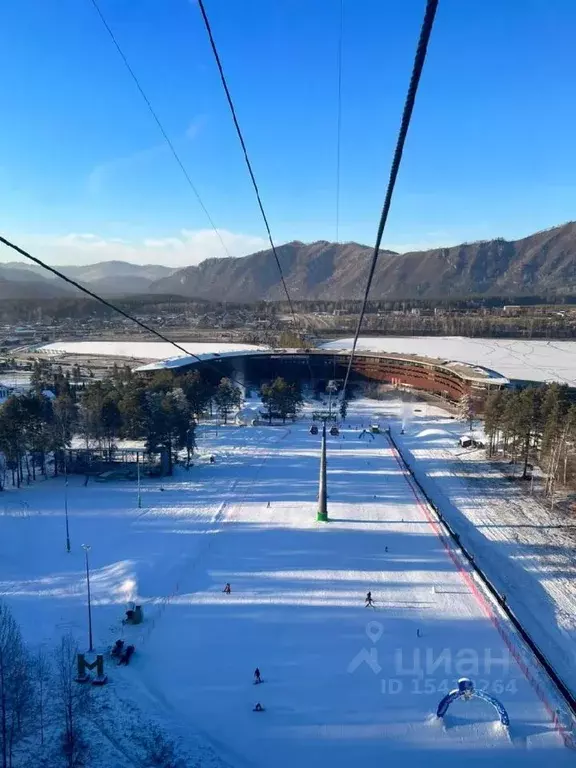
543 262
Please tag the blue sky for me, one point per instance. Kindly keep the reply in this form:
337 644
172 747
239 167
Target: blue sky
84 173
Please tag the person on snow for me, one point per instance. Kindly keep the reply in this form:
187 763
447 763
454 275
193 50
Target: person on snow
257 676
117 649
227 589
369 602
258 708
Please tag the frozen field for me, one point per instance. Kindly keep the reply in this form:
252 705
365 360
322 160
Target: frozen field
344 685
526 360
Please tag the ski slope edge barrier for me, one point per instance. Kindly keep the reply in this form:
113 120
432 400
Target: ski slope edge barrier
565 729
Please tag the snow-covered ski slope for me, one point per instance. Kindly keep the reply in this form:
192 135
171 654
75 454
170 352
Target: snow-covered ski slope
344 684
525 548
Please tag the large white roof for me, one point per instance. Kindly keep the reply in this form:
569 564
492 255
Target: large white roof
141 350
530 360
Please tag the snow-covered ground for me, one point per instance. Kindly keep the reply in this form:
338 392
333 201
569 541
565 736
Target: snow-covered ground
139 350
536 360
344 685
526 549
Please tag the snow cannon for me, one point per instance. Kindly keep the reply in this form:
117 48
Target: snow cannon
134 614
466 691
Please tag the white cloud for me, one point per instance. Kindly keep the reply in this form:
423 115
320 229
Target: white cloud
186 248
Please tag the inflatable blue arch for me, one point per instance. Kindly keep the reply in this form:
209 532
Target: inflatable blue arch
467 691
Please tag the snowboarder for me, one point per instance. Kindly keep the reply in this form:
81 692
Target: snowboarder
258 708
369 602
227 589
257 676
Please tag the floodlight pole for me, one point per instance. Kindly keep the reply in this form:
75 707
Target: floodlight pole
66 501
322 496
86 548
138 474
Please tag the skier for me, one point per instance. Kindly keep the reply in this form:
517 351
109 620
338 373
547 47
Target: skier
257 676
227 589
385 549
268 505
369 602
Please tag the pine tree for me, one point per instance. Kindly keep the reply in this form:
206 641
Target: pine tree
167 423
527 423
198 392
227 397
111 422
493 418
281 398
131 406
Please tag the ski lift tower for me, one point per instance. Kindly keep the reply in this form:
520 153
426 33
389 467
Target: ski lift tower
331 388
322 496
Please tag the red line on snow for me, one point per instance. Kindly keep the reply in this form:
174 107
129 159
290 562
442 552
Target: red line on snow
481 598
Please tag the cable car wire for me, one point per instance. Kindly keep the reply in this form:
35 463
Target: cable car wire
339 119
110 305
419 59
245 152
160 125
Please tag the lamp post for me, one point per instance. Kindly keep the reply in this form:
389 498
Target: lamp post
138 474
66 501
86 548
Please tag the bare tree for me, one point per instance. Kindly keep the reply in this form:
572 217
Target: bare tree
72 701
16 690
42 676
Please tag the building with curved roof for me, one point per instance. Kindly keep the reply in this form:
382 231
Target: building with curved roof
445 378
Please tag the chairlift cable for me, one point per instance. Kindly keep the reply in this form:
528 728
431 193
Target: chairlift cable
246 156
419 59
158 122
339 118
110 305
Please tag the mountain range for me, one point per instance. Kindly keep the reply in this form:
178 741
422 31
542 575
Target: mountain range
544 262
26 280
